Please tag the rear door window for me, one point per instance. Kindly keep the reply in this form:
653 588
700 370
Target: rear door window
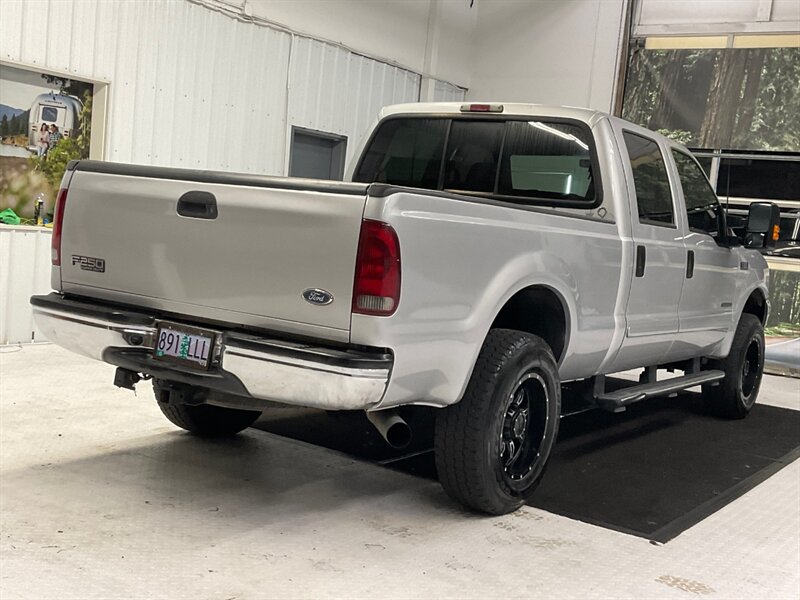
653 196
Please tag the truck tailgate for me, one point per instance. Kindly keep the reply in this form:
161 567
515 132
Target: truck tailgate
271 240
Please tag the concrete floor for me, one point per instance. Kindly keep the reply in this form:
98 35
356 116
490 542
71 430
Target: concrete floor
100 497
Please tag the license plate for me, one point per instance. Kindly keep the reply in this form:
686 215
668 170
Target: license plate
189 346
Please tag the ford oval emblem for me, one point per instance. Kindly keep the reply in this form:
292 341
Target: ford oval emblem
318 296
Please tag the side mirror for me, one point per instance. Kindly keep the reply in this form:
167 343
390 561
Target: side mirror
763 225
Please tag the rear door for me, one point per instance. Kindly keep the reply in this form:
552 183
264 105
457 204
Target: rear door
655 291
249 261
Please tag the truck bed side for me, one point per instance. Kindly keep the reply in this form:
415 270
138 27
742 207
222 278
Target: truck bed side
462 262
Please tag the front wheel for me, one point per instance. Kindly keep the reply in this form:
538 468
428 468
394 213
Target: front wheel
735 395
491 448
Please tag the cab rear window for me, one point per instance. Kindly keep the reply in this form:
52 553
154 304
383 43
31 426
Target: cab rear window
535 161
406 152
550 160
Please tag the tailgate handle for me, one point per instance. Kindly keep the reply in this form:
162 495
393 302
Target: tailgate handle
198 205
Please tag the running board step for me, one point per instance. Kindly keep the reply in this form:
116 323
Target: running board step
619 399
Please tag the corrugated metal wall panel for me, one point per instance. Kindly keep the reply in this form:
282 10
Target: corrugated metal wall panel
33 17
84 27
189 87
59 17
105 40
447 92
24 271
11 12
339 92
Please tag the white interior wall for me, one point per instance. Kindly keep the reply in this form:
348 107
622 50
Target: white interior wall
394 30
549 52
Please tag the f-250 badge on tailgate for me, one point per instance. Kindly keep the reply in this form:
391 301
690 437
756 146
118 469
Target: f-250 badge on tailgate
317 296
89 263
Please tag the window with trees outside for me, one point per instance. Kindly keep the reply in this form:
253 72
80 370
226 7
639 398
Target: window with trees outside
737 109
730 98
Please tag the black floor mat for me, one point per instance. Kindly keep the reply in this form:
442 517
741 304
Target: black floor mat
653 471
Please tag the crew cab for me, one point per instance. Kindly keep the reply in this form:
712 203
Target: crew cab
479 257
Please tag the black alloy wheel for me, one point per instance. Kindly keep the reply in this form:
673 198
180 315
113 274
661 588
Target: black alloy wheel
524 425
751 370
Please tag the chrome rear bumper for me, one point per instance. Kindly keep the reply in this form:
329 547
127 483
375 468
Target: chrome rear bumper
243 364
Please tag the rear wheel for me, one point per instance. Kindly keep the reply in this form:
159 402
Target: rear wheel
735 396
206 419
492 447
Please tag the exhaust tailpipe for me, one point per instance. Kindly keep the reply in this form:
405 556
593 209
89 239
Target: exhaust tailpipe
392 427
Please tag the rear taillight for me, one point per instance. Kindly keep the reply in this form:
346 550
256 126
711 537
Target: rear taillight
377 284
58 222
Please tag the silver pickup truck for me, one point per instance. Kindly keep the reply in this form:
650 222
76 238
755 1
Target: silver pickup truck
480 256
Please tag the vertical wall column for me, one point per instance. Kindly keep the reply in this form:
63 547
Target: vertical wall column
427 86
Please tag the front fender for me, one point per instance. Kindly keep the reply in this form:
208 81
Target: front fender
756 279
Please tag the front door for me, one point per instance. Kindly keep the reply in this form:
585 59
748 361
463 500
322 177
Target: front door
709 290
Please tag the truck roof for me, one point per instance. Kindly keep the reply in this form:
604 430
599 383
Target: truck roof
516 109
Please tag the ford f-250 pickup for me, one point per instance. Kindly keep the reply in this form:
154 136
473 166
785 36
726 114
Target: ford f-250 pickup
480 256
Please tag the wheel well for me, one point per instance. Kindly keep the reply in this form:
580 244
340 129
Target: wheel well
537 310
756 305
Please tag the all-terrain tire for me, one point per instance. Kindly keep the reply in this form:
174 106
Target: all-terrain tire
474 439
735 395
